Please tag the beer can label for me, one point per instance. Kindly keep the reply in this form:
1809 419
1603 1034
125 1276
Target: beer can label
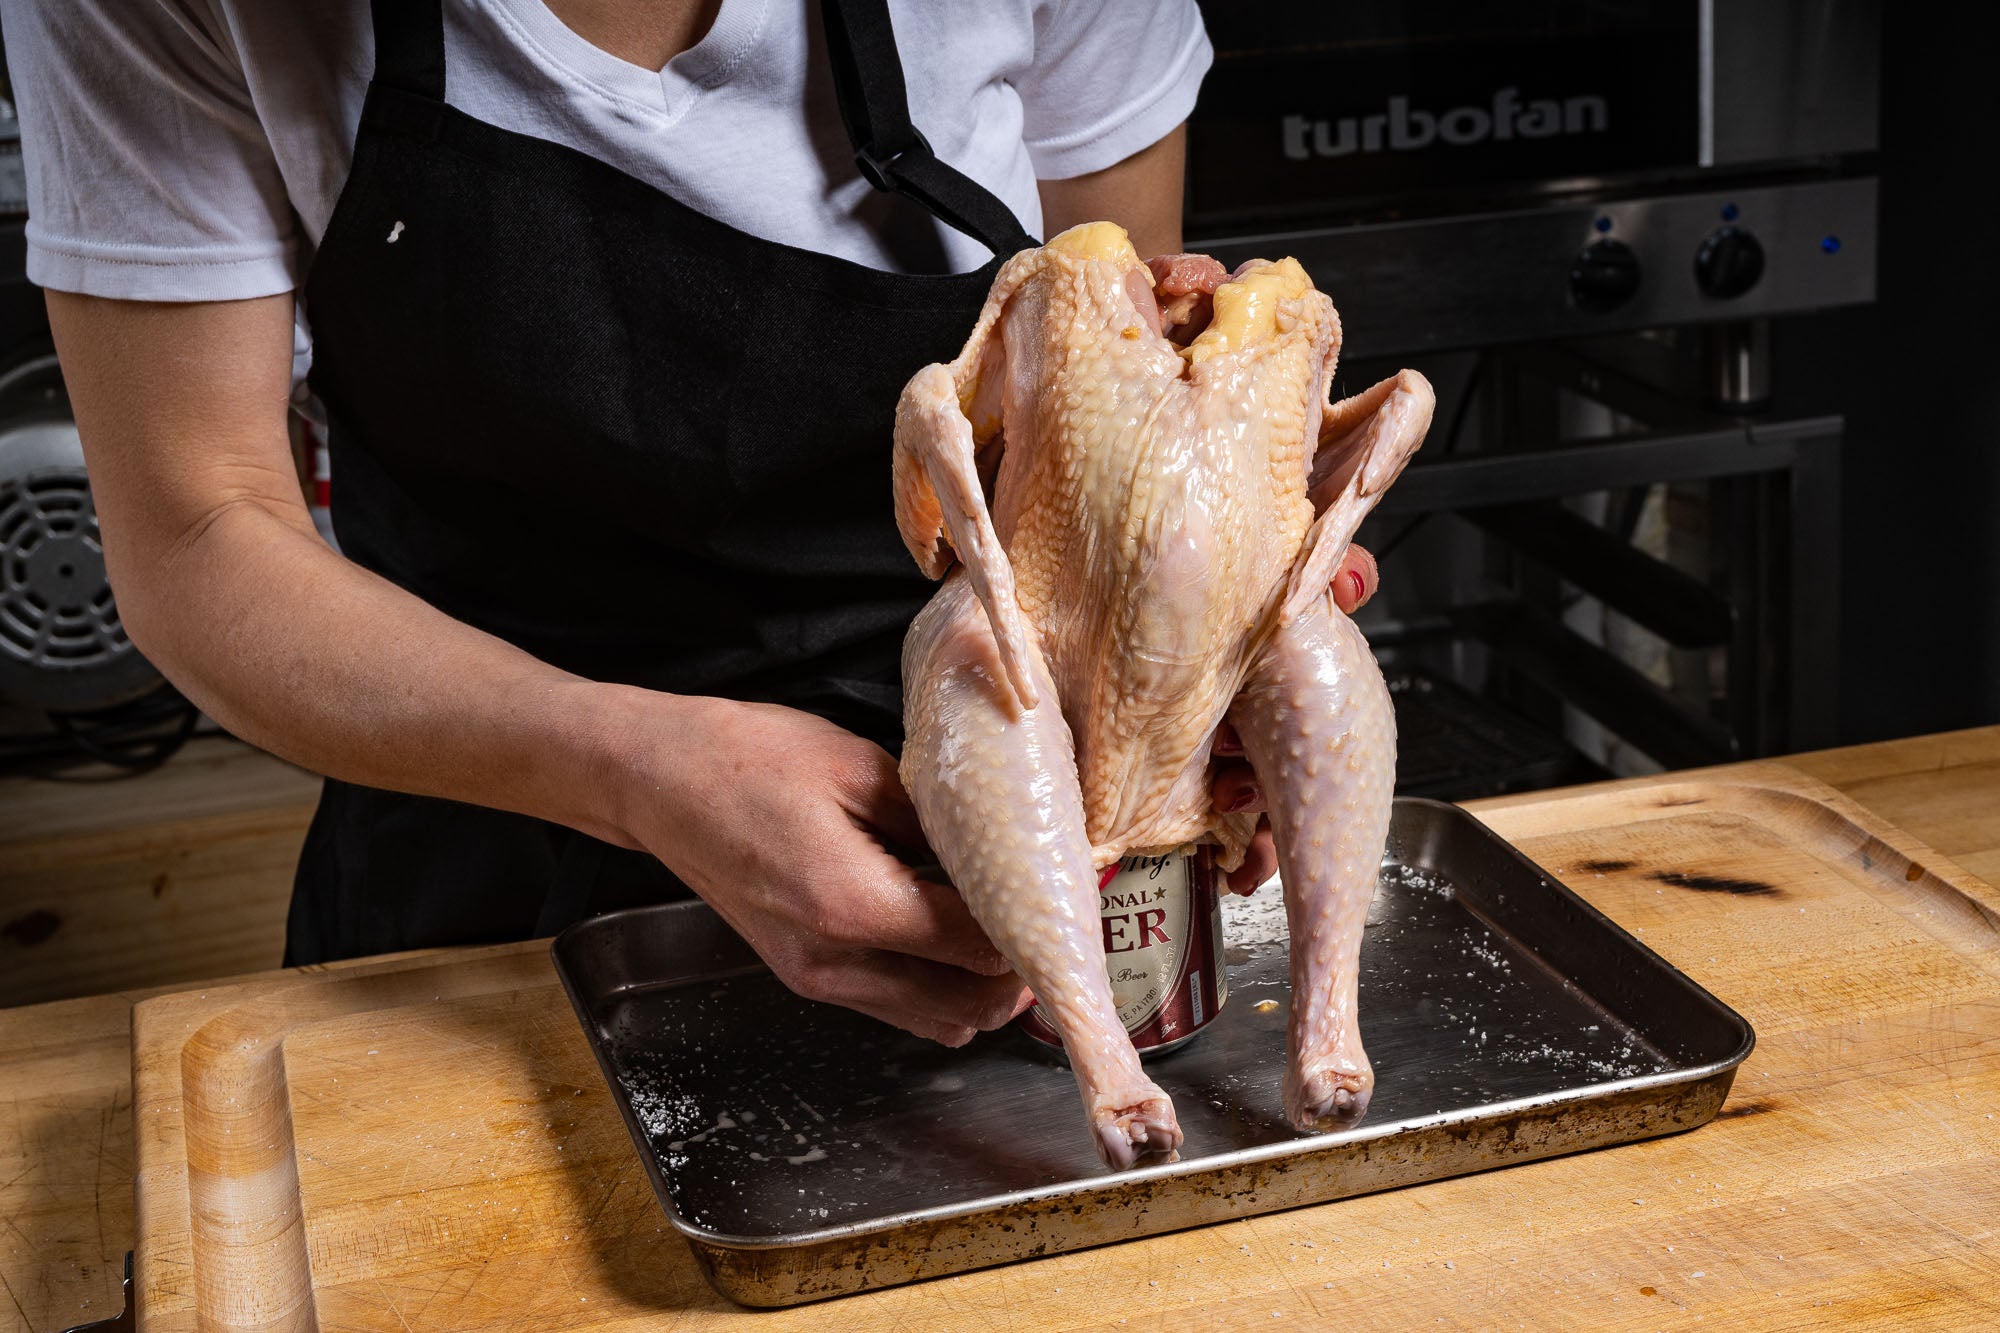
1161 918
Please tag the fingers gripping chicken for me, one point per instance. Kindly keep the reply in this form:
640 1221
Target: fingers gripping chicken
1136 538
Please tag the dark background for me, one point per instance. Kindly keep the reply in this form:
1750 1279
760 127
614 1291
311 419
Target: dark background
1918 375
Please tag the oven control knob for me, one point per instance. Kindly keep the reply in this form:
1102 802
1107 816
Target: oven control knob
1604 276
1729 263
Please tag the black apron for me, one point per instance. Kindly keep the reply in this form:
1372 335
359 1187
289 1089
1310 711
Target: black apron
636 442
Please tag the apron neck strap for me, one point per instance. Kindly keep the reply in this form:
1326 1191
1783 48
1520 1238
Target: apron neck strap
867 77
409 46
892 153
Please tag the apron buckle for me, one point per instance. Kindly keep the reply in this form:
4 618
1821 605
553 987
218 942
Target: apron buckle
876 169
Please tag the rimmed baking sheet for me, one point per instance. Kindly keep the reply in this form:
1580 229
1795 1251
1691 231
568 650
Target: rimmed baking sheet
806 1151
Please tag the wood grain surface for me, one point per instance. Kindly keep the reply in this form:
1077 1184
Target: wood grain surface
460 1165
173 876
65 1161
1943 789
66 1149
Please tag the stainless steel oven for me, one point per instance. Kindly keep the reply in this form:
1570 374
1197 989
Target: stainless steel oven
1461 173
1581 218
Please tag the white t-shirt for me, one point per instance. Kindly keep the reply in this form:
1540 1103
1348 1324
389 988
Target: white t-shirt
183 150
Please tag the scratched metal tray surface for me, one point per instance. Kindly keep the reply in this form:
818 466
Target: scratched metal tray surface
806 1151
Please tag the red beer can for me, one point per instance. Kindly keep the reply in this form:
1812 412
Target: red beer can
1162 918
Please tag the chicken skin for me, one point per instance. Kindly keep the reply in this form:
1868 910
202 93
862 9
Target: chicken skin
1136 493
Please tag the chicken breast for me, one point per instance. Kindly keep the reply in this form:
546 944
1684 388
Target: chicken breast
1136 524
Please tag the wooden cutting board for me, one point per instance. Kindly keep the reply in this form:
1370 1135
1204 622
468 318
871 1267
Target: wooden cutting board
417 1145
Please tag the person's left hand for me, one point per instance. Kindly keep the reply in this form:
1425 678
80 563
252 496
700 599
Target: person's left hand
1235 788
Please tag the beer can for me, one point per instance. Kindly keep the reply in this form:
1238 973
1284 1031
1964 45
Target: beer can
1162 922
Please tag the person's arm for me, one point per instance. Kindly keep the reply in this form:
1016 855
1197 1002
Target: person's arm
1142 194
776 817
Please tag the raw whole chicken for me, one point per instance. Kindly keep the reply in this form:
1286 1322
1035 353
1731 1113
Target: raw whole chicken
1136 493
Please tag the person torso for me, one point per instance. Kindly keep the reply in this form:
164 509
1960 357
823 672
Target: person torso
638 443
193 150
742 127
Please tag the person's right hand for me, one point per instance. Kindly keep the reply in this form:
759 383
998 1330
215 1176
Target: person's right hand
782 822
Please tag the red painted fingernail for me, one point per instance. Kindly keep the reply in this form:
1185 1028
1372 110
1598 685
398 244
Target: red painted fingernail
1244 799
1360 585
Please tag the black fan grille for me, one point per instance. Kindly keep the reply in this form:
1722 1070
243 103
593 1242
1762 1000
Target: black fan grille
56 609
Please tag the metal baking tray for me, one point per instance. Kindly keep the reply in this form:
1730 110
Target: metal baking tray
806 1151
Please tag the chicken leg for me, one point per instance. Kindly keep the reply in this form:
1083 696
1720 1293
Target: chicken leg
999 799
1320 731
